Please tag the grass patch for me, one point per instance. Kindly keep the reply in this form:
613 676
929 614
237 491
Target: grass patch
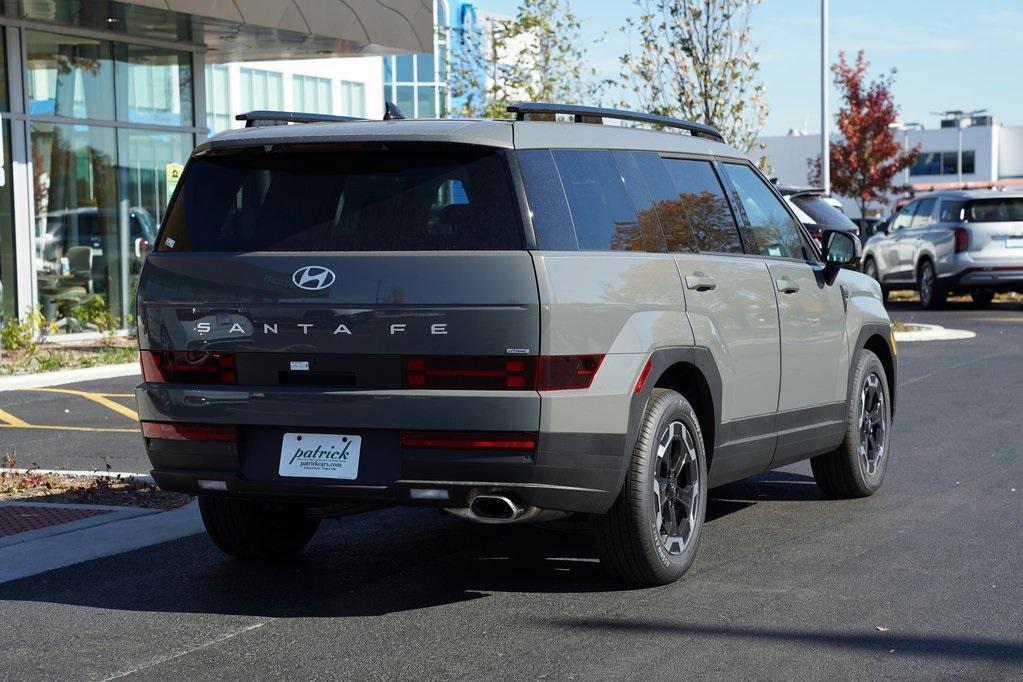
50 357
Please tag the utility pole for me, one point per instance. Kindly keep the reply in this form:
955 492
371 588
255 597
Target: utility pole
825 114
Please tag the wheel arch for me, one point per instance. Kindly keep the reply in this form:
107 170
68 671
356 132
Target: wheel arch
877 339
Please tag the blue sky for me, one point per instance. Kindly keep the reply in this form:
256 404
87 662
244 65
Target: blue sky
950 54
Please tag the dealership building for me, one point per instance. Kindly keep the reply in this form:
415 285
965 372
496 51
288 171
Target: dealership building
979 153
101 102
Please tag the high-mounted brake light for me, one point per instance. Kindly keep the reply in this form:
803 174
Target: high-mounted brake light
188 367
497 373
193 432
461 440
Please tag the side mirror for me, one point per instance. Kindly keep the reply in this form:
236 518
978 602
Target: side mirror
882 227
839 249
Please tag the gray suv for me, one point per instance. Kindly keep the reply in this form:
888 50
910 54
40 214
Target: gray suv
512 320
951 242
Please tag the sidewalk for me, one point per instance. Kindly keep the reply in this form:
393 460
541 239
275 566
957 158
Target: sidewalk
36 537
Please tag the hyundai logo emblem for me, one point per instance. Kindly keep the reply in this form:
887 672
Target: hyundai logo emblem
313 277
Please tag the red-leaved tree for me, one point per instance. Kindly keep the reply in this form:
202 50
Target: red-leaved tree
868 155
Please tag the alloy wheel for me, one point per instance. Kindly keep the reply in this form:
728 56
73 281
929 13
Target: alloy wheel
926 283
676 488
873 424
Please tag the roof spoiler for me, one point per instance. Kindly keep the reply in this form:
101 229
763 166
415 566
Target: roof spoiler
525 111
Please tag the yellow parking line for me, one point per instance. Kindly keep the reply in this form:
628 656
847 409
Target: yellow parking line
98 398
95 429
10 420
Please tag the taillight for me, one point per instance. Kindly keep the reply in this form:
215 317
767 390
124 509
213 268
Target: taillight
188 367
560 372
480 373
462 440
962 239
196 432
496 373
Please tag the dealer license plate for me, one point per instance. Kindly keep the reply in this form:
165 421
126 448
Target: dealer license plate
320 455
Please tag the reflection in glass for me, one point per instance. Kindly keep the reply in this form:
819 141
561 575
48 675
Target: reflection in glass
427 102
158 83
773 229
78 245
701 198
69 76
218 98
7 275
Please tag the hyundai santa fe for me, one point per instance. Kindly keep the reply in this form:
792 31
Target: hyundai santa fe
513 320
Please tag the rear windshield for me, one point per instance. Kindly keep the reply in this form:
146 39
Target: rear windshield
994 210
384 199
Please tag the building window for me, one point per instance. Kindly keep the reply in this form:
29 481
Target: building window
218 99
353 99
158 84
262 90
418 83
944 163
312 95
69 76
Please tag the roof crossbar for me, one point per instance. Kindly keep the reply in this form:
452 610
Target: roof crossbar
259 119
583 114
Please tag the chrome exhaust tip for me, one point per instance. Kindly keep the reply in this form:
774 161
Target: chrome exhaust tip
495 509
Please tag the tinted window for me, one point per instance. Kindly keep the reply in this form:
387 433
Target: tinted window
923 215
951 211
701 198
774 230
826 216
604 216
646 214
1009 209
552 221
437 198
674 221
904 217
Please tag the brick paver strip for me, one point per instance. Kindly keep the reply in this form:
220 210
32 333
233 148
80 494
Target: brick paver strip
16 519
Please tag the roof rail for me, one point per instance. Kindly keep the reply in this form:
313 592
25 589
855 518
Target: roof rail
523 110
259 119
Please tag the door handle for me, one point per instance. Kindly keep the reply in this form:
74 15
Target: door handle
786 285
700 282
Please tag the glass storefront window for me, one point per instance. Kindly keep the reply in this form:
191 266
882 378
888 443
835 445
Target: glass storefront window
405 101
78 245
69 76
158 83
427 99
218 99
424 68
7 272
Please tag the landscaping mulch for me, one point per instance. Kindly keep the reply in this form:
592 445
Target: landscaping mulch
126 492
50 357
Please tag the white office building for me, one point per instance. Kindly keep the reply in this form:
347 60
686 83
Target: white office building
992 156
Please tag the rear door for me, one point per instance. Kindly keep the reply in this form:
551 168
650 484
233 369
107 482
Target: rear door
814 348
732 309
324 266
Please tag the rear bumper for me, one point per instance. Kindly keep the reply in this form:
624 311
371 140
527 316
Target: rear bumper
567 472
994 277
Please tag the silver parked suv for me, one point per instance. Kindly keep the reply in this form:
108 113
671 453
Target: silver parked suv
512 320
951 242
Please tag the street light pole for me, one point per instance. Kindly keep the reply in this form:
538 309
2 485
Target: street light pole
825 137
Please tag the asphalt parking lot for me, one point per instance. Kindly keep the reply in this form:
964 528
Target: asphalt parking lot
920 581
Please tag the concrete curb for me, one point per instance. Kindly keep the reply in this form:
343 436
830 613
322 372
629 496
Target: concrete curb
123 475
67 376
932 332
59 549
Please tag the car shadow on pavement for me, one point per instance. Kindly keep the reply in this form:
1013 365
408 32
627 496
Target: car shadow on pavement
906 644
381 562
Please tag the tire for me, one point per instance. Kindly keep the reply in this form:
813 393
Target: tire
982 299
932 292
631 539
870 270
256 530
857 467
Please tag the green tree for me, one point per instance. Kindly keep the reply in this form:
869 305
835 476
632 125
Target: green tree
536 56
696 61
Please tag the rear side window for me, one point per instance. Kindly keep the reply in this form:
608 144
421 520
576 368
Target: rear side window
403 198
951 211
678 233
774 230
603 214
1009 209
702 199
924 213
